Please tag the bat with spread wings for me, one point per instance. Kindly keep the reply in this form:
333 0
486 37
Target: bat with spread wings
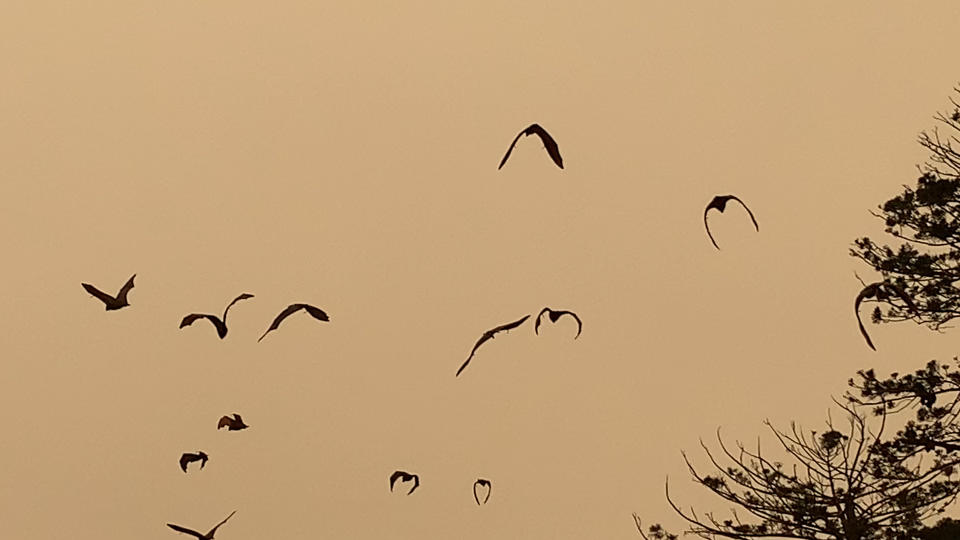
232 424
488 335
720 203
187 457
404 476
210 533
554 315
111 302
315 312
220 323
548 143
881 291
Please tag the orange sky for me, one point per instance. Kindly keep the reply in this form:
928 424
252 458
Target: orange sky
345 155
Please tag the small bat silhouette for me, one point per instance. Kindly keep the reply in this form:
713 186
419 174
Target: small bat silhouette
210 533
219 323
879 291
190 458
316 312
720 203
548 143
554 315
112 302
232 424
404 477
484 484
488 335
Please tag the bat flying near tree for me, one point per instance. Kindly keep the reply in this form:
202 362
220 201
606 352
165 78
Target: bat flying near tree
186 458
316 312
219 323
111 302
232 424
720 203
488 335
404 476
481 485
210 533
881 291
548 143
554 315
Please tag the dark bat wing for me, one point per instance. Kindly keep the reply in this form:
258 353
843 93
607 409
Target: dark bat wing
488 335
243 296
102 296
185 530
536 324
317 313
122 295
416 483
554 315
397 475
217 526
755 226
224 421
217 323
187 458
707 225
867 292
510 149
548 142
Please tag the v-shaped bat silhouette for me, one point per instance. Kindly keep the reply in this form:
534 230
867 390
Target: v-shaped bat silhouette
548 143
186 458
232 424
404 476
210 533
554 315
219 323
720 203
488 335
315 312
112 302
482 484
880 290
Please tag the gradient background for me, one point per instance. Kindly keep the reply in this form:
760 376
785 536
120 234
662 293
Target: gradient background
345 155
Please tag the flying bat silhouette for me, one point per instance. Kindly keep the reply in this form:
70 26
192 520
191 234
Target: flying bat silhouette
111 302
554 315
720 203
186 458
482 484
219 323
316 312
881 291
210 533
488 335
233 424
548 143
405 477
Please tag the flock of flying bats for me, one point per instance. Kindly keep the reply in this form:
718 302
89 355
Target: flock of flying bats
880 290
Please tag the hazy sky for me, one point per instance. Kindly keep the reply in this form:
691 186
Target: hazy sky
346 155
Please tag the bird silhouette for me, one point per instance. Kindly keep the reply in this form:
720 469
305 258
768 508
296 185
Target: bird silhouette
554 315
186 458
488 335
232 424
548 143
210 533
481 483
316 312
404 476
881 291
720 203
112 302
219 323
